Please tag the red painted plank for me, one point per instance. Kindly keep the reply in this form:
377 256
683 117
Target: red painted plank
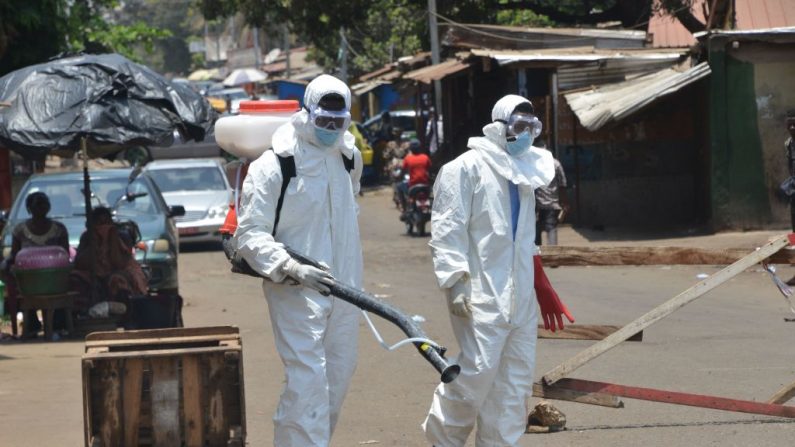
673 397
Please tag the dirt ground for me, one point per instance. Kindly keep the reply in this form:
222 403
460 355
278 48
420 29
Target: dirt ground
733 342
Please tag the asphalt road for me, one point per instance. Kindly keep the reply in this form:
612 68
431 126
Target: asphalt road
733 342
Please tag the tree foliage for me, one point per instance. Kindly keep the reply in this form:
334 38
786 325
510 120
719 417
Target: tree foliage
380 31
33 31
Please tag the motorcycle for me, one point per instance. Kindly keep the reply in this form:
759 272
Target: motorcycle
418 209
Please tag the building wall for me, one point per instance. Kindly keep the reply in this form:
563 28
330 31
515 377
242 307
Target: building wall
775 94
751 90
647 171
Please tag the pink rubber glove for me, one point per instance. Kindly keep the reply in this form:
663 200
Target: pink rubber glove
551 306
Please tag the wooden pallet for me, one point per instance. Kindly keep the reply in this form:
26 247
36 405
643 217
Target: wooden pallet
164 387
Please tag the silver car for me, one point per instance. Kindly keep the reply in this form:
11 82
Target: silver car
201 186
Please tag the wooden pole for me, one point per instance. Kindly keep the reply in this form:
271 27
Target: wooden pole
583 332
665 309
557 393
783 395
556 256
673 397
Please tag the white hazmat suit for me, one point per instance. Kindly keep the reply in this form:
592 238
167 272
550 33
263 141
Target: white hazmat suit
474 250
315 335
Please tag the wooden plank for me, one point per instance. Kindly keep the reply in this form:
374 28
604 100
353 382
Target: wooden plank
109 402
673 397
241 392
132 381
556 256
156 353
663 310
161 341
162 333
557 393
88 436
193 401
783 395
217 417
165 402
584 332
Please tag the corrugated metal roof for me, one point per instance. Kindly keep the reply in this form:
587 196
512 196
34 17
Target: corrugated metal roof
514 37
666 31
578 54
785 33
436 72
574 76
364 87
374 74
599 106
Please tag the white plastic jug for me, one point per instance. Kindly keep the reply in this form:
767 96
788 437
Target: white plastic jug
249 134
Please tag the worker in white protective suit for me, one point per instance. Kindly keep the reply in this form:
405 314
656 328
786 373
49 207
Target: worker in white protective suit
483 231
315 334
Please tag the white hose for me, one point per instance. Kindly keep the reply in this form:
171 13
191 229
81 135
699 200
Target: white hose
400 343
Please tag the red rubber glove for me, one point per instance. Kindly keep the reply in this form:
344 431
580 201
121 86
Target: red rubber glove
551 306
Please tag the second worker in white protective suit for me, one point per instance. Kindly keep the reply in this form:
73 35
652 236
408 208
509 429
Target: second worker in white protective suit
315 334
482 240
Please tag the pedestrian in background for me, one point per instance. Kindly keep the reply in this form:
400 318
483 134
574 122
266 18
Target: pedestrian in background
549 207
789 150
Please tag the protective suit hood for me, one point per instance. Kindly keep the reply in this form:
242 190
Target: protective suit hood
300 129
535 168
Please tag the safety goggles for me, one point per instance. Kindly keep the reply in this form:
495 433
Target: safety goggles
329 119
521 122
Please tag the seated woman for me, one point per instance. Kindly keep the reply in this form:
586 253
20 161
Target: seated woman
37 231
116 275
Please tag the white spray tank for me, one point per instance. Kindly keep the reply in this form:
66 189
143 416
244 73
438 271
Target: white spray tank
247 136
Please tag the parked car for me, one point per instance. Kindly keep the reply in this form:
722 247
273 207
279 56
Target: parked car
232 95
201 186
144 205
401 119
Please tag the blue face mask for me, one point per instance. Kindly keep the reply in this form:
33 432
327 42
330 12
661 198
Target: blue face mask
326 137
520 145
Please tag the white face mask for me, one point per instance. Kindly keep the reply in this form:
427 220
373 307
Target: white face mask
520 145
327 137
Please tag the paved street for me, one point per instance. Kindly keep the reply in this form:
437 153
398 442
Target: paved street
733 342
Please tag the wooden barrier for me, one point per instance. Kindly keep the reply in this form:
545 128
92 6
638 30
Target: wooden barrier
164 387
554 385
556 256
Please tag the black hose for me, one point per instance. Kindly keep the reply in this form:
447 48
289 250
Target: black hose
434 355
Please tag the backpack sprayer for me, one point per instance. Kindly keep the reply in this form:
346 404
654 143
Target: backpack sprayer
245 140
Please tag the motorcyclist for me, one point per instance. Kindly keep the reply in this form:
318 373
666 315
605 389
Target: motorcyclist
417 165
315 334
483 228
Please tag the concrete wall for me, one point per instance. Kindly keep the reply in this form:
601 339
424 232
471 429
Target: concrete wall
774 88
751 89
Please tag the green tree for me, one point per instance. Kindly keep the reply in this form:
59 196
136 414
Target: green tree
40 29
378 31
393 28
183 20
33 28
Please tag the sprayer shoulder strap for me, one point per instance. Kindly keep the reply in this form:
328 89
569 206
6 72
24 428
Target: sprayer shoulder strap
287 166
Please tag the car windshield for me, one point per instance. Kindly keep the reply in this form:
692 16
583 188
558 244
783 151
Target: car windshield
240 94
66 197
189 179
